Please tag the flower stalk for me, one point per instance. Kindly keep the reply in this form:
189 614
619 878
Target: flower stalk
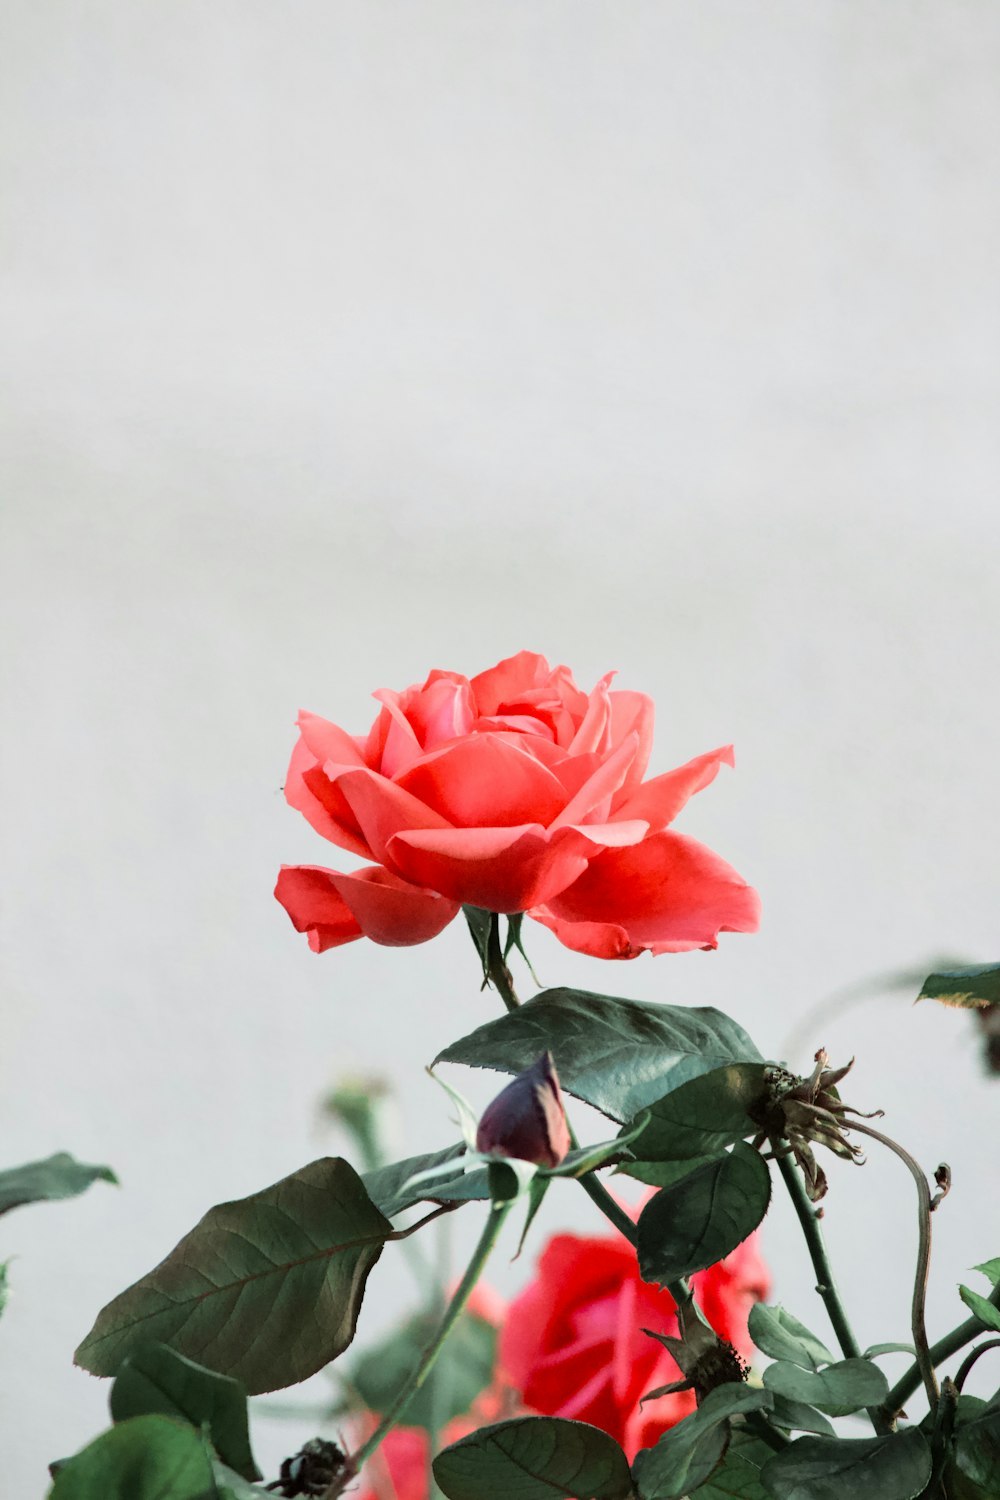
491 1230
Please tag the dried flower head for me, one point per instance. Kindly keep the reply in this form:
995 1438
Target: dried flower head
804 1112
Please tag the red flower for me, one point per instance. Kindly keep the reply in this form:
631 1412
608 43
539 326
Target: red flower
397 1470
515 792
572 1343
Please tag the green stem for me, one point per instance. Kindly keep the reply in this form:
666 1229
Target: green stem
496 966
826 1285
917 1321
491 1230
500 978
939 1352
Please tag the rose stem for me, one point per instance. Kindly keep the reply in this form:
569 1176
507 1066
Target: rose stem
939 1352
925 1364
818 1254
503 983
491 1230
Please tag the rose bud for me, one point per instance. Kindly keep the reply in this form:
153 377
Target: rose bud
526 1119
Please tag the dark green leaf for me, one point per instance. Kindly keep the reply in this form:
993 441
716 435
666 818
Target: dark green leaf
392 1189
839 1389
266 1288
534 1458
972 986
664 1173
778 1334
464 1368
738 1476
703 1217
147 1458
984 1310
798 1416
686 1455
977 1450
703 1116
158 1379
896 1467
58 1176
618 1055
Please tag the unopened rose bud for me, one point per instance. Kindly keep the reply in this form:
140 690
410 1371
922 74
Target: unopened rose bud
526 1119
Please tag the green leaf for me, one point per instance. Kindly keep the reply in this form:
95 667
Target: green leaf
991 1270
778 1334
147 1458
874 1350
738 1476
686 1454
703 1116
984 1310
839 1390
58 1176
797 1416
464 1368
618 1055
895 1467
158 1379
390 1187
534 1458
977 1450
703 1217
973 986
266 1288
664 1173
4 1289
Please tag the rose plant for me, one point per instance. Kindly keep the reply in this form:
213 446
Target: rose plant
625 1370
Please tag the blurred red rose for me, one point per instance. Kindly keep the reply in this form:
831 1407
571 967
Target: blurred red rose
572 1344
397 1470
513 791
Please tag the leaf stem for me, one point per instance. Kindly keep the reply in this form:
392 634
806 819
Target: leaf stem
491 1230
970 1359
939 1352
496 966
925 1364
826 1284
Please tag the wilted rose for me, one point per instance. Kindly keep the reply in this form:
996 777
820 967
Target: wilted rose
527 1118
513 791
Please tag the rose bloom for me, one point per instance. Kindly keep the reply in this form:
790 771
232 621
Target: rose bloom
397 1470
513 791
572 1344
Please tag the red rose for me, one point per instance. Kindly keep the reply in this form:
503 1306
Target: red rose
515 792
572 1343
398 1469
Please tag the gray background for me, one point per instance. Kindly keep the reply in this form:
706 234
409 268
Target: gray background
341 341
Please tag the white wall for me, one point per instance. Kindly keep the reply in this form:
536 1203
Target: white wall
344 340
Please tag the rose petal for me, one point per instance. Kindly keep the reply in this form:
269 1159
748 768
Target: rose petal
594 734
328 741
594 796
505 682
661 799
665 895
632 713
499 869
316 907
486 781
312 794
383 809
370 903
